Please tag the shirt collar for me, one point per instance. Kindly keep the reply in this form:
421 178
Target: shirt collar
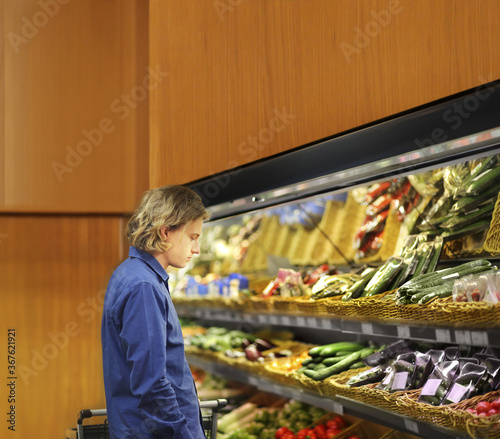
149 259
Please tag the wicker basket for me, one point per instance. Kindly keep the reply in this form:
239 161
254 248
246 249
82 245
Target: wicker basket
492 242
307 305
285 304
261 304
350 220
330 226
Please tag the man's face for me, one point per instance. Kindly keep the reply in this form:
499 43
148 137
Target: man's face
185 244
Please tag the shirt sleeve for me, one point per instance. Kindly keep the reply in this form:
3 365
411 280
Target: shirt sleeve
144 339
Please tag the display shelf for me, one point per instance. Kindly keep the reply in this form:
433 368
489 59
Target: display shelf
374 330
338 404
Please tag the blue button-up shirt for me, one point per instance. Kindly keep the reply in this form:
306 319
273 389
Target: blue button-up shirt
150 391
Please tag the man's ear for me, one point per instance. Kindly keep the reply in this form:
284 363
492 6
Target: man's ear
164 232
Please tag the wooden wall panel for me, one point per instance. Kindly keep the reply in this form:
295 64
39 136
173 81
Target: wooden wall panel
54 271
76 120
324 66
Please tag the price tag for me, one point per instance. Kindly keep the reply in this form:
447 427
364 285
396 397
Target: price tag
301 321
404 332
253 381
337 408
367 328
254 318
479 338
296 395
275 389
430 387
319 322
286 320
456 393
443 335
293 321
463 337
311 322
333 324
411 426
399 382
273 319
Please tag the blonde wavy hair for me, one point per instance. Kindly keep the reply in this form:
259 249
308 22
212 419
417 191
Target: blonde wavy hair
171 206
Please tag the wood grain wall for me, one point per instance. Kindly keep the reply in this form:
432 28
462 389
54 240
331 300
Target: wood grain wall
75 130
54 271
252 78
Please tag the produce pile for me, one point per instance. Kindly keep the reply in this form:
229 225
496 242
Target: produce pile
397 194
468 192
234 343
334 358
293 420
445 375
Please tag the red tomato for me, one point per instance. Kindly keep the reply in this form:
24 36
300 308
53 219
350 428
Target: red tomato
332 424
320 431
496 404
280 432
483 407
340 421
492 412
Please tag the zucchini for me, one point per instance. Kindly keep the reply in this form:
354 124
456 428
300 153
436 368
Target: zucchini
336 368
483 181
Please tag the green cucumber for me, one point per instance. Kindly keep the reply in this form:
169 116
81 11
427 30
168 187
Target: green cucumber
459 221
436 278
465 204
336 368
357 289
483 181
331 350
477 227
444 290
330 361
307 361
357 365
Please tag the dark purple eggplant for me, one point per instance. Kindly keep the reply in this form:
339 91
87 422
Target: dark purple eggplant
252 353
263 345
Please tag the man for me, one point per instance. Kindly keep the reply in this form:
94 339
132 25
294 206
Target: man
150 391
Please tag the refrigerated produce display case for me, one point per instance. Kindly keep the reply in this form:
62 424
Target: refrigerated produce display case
386 237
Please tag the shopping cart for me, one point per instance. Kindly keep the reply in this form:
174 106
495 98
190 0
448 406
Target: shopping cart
210 410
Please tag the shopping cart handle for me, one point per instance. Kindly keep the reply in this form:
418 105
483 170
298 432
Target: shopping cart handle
87 413
214 404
